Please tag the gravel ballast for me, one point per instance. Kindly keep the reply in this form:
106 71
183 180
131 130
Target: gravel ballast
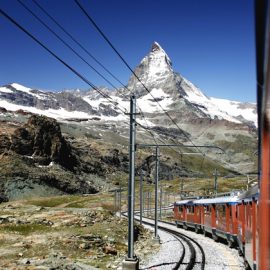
218 256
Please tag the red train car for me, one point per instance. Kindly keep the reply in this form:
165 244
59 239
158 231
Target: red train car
216 216
219 217
247 233
262 16
232 218
184 214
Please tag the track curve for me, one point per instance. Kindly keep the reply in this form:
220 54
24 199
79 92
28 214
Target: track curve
195 249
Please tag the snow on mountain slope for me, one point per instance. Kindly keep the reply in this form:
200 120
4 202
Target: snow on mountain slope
60 114
18 87
21 88
233 111
146 102
156 73
158 63
237 109
5 90
170 89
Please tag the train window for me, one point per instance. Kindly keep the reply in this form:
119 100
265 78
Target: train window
220 210
206 208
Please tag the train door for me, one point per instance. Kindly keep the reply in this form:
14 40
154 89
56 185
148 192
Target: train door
221 217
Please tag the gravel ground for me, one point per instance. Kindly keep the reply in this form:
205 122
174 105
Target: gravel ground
218 256
169 253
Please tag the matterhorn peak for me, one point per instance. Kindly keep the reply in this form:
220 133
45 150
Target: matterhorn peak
158 53
156 47
154 69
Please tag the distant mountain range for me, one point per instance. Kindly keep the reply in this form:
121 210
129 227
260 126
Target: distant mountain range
205 120
172 90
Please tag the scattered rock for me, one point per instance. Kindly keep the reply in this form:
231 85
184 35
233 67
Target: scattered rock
84 246
109 250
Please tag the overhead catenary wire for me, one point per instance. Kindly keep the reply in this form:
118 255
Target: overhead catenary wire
75 40
128 66
57 57
65 43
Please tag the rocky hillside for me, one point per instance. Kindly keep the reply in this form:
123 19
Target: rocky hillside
36 160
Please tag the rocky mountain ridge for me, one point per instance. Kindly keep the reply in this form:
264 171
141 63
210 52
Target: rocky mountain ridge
155 71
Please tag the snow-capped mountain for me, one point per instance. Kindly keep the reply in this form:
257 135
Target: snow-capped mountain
156 73
173 92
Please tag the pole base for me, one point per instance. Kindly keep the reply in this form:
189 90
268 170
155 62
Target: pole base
156 239
130 264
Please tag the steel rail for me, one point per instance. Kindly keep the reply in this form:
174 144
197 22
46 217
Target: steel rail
192 261
198 245
188 240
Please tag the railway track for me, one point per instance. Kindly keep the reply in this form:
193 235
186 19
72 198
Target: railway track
199 247
191 255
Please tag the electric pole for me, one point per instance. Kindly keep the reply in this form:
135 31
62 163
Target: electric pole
131 262
216 174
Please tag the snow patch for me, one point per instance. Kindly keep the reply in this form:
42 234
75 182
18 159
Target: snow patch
21 88
5 90
27 90
60 114
219 108
234 109
148 104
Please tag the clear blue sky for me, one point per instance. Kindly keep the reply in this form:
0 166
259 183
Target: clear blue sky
210 42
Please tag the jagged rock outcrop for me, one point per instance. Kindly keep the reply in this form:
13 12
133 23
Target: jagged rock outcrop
117 160
36 160
41 139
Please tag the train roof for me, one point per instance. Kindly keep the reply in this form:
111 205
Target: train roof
187 202
253 192
218 200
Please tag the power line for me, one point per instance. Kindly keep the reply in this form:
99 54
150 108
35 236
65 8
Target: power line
76 41
128 66
65 43
58 58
